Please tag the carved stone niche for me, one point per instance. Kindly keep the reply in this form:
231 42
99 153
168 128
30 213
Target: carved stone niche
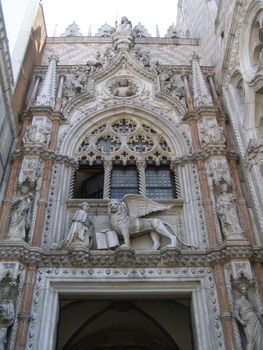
11 282
22 211
247 307
105 235
217 171
30 171
209 131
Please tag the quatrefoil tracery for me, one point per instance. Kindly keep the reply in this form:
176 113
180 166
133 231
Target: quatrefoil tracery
123 139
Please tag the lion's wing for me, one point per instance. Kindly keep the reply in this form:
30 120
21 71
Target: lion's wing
139 206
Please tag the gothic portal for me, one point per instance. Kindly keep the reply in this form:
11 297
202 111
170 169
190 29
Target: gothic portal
129 220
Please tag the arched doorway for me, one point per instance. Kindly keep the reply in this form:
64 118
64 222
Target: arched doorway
124 325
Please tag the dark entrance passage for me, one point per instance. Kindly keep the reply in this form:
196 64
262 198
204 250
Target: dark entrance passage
124 325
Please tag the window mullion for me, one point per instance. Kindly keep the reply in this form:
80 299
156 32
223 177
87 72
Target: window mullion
107 178
174 169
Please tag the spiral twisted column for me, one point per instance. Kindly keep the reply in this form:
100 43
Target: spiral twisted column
174 169
141 166
107 178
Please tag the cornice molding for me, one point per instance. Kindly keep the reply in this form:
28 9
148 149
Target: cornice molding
128 257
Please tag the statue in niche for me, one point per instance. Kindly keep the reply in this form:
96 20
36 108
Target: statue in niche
21 217
227 213
249 317
37 133
7 310
126 220
81 230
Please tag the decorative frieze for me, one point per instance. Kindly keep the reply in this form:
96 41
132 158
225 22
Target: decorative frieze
84 257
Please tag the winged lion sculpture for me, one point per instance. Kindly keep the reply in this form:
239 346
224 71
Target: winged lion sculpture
126 220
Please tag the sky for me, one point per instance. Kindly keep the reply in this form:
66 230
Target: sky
95 13
90 15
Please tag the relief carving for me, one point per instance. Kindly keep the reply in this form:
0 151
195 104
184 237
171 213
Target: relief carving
30 171
123 88
127 219
209 131
38 133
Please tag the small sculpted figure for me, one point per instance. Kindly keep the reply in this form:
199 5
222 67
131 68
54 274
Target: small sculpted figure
227 213
20 217
7 314
80 232
250 319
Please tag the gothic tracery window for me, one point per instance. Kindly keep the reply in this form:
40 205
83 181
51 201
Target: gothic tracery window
122 156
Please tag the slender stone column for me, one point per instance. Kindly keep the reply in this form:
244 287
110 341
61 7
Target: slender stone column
174 169
214 93
141 166
7 203
107 178
226 318
46 180
25 312
207 203
34 92
194 134
5 209
59 94
258 268
189 99
242 202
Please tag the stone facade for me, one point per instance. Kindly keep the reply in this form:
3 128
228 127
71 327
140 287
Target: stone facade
8 122
132 198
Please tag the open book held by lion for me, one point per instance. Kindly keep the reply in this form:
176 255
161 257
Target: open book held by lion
126 220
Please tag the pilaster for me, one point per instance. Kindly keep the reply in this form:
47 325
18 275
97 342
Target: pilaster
226 318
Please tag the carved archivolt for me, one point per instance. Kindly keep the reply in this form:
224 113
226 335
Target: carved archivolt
123 139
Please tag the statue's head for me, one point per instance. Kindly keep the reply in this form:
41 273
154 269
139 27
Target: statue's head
84 206
113 206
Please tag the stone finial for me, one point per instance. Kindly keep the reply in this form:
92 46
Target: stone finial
47 94
172 32
157 32
202 96
72 30
105 31
123 37
140 31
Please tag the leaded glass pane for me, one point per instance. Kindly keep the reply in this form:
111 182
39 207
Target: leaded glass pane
159 182
124 180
